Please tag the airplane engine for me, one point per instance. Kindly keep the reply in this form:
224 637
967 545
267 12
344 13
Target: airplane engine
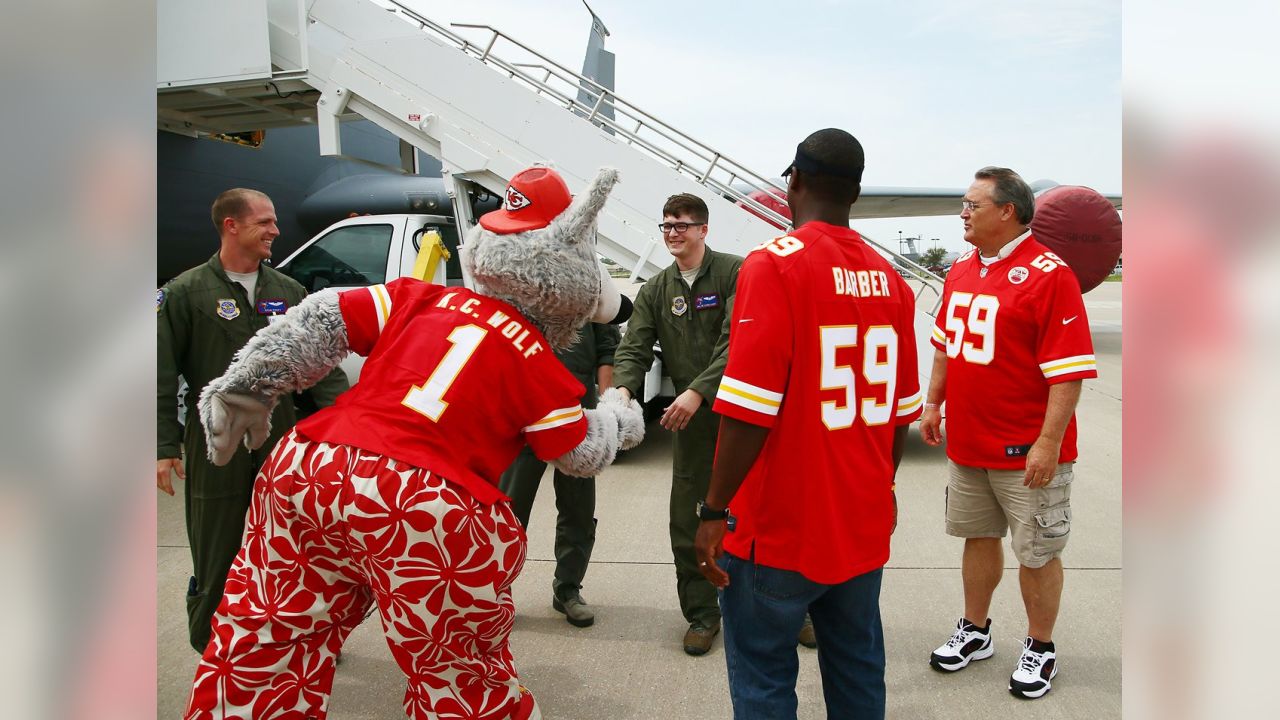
775 200
1083 228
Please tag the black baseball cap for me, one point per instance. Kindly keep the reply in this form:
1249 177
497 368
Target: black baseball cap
809 164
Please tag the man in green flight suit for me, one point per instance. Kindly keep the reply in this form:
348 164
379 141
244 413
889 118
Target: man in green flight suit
204 316
591 361
686 308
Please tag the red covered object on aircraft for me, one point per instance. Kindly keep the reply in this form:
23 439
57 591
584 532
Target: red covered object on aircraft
775 200
1083 228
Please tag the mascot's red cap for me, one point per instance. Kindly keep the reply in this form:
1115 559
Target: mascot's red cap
534 198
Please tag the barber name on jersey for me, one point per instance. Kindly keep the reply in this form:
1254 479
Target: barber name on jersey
860 283
510 328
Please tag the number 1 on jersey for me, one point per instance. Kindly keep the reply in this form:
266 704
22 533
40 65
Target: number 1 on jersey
428 398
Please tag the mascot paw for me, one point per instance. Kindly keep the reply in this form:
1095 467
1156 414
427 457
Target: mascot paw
630 417
230 417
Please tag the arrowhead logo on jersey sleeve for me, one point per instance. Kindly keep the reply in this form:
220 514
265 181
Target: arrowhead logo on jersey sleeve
515 200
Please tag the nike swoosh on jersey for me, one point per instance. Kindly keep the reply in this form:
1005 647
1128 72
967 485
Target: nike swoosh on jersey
1067 321
745 320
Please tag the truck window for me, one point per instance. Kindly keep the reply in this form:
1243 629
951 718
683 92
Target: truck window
352 255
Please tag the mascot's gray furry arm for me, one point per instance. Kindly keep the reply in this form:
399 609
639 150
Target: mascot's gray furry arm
615 423
286 356
551 275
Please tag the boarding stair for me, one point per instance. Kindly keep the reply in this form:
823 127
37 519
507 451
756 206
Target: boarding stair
484 103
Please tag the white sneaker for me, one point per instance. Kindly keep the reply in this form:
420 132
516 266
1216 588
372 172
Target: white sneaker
968 643
1034 672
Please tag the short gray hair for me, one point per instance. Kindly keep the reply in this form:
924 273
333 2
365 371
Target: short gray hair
234 203
1010 188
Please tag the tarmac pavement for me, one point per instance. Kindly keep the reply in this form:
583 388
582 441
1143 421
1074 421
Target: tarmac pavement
630 665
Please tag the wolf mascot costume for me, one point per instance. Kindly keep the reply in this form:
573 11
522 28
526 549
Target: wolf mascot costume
389 497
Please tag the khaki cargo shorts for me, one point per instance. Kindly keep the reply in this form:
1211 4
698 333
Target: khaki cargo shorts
986 503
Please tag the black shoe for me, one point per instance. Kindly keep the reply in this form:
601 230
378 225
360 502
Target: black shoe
807 637
697 639
575 610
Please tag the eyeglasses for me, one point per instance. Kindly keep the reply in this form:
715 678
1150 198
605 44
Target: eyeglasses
678 227
970 205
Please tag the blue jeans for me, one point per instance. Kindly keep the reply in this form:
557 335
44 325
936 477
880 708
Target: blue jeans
763 609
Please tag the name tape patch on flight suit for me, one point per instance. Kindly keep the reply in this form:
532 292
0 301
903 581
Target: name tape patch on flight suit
228 309
272 306
706 302
679 306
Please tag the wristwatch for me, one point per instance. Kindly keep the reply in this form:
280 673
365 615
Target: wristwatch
706 512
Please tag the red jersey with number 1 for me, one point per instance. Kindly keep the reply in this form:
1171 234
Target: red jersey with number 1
1010 330
455 382
822 351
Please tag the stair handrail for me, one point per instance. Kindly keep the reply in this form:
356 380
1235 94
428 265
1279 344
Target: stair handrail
714 160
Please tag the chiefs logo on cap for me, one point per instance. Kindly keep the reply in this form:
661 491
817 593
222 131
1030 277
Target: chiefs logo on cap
533 199
515 200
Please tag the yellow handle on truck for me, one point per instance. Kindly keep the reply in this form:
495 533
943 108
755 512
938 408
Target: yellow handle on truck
428 264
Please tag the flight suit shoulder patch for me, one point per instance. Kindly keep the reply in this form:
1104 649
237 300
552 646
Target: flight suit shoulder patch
228 309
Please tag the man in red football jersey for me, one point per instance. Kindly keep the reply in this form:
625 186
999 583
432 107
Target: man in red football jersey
820 386
1012 348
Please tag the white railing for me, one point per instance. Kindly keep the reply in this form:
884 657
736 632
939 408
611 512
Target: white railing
639 128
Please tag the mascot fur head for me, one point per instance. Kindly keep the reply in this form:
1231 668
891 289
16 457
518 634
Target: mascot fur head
538 253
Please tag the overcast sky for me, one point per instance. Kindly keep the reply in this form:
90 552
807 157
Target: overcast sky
932 89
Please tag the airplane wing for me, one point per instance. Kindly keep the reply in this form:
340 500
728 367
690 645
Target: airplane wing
895 202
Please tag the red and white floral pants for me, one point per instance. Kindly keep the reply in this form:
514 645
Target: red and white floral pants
331 531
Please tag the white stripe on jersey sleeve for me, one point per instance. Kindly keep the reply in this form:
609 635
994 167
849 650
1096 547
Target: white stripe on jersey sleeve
382 303
938 335
557 418
1068 365
749 396
908 405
